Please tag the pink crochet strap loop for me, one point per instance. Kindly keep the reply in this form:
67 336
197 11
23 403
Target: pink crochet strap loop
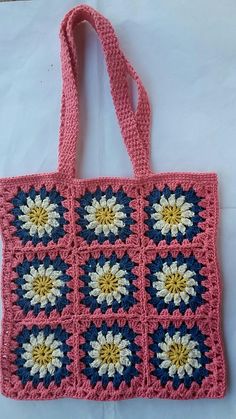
134 125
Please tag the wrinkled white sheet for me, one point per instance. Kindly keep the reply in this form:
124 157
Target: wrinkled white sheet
185 53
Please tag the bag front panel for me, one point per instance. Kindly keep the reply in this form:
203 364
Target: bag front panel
111 288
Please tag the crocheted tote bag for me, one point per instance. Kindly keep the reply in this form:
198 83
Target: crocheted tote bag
110 286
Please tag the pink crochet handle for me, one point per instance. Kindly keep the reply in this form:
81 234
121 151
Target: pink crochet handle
134 125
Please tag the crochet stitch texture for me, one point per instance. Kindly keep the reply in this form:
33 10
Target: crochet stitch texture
111 287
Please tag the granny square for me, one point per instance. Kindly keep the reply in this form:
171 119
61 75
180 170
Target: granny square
111 286
195 371
41 284
109 281
120 340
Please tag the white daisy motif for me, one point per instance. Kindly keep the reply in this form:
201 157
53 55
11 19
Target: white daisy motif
110 354
105 215
172 214
108 283
39 216
179 355
175 283
42 354
42 285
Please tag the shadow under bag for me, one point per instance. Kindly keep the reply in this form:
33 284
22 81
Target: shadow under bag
111 287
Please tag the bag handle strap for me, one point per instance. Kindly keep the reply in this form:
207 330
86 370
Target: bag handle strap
134 125
143 111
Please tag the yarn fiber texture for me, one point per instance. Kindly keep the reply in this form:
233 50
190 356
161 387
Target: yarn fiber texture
111 286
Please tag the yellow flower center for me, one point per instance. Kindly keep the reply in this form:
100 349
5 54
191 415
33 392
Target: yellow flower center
109 353
171 214
38 216
42 285
42 354
175 283
178 354
105 215
108 282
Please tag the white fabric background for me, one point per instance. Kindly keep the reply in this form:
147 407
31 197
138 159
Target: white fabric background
185 53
